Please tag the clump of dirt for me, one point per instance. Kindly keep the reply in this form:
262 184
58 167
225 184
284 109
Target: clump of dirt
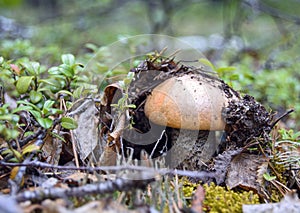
246 119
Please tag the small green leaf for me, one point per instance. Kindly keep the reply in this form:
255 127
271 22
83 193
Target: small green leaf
28 133
101 67
78 92
268 177
10 134
68 123
2 127
66 70
23 84
53 111
21 108
36 114
51 82
234 77
68 59
221 70
206 62
296 135
92 47
45 122
10 117
13 160
4 109
65 92
12 152
28 104
114 105
1 60
13 134
33 68
30 149
35 96
57 136
48 104
131 106
7 152
54 71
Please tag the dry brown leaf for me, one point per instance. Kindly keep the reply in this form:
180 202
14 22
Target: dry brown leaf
86 134
242 171
111 93
52 149
110 137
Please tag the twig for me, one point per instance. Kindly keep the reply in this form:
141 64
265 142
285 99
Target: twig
31 137
282 116
108 186
72 138
193 174
74 148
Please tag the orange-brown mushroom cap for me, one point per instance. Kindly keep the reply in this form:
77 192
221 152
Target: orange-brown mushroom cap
189 102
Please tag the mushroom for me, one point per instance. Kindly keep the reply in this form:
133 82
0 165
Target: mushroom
192 105
192 102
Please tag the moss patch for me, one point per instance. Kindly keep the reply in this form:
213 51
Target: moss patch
219 199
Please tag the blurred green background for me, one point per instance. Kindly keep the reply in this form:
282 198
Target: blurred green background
259 38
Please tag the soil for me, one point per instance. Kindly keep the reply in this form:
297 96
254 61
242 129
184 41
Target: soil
246 119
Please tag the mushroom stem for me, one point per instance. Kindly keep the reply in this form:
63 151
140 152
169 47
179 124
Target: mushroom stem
192 149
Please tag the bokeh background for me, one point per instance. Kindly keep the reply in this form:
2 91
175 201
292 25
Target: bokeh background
260 39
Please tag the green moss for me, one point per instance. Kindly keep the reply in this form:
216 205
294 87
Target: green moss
219 199
188 188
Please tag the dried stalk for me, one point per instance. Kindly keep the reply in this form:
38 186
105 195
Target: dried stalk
109 186
148 170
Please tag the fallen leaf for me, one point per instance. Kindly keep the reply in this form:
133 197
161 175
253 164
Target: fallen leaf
86 134
243 171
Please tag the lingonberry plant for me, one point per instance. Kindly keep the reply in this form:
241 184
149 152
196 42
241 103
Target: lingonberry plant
34 102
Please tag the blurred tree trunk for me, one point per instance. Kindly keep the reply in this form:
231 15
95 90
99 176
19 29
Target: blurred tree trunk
51 7
160 14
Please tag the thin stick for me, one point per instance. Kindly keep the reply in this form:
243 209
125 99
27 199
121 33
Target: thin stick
108 186
73 140
282 116
163 171
74 149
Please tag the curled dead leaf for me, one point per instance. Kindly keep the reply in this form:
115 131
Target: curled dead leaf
243 172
